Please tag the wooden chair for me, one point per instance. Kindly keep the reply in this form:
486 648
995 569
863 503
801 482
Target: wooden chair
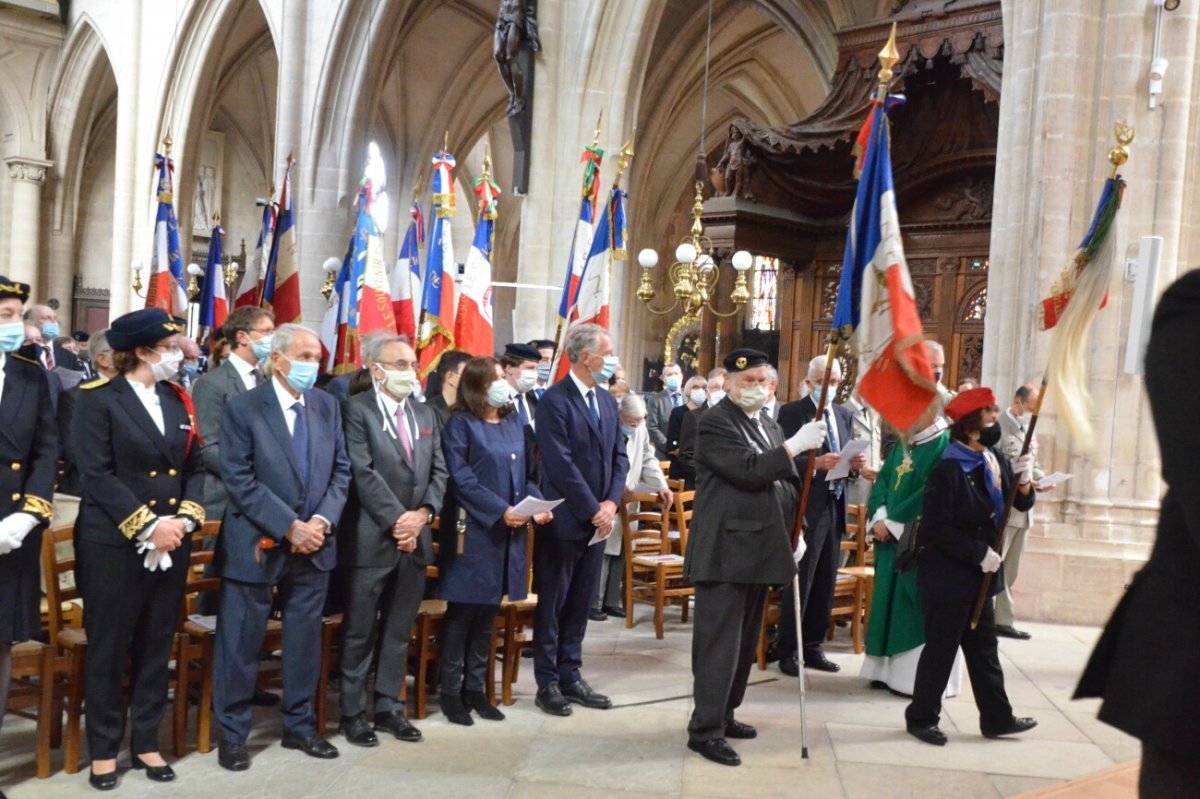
424 652
856 581
514 634
68 641
681 519
39 683
653 574
770 617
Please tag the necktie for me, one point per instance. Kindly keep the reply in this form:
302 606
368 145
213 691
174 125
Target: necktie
49 350
521 411
259 377
402 429
538 392
591 395
676 399
300 441
837 486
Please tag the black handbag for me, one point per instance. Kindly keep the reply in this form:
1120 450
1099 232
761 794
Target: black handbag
908 548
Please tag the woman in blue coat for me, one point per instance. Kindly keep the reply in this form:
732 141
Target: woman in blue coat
481 556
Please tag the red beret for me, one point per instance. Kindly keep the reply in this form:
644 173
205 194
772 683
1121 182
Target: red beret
970 401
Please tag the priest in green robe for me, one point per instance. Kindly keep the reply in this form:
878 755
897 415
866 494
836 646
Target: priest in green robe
896 630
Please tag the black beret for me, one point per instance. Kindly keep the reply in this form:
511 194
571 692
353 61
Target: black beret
143 328
542 344
81 336
11 288
522 352
740 360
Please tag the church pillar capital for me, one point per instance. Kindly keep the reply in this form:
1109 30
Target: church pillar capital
27 170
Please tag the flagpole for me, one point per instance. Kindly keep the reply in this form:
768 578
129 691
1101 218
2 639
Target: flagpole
558 327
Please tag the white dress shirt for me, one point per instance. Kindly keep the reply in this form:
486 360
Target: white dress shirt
389 407
286 401
149 397
583 390
245 371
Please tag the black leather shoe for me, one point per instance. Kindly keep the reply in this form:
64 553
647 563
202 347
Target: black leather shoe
313 746
717 750
263 698
102 782
399 726
358 732
930 735
597 615
789 666
582 693
736 729
821 663
478 701
551 700
156 773
454 710
1006 631
1017 725
233 756
616 613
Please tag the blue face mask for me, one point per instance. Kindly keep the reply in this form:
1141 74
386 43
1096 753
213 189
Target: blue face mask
937 375
12 336
673 382
543 373
611 362
817 393
302 376
628 431
50 331
262 348
190 369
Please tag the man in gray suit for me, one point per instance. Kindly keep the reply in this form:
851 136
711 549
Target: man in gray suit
395 449
283 457
239 372
1014 423
660 405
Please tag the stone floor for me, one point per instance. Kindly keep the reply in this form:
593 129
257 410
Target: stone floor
855 737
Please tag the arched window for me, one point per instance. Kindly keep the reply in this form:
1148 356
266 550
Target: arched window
764 302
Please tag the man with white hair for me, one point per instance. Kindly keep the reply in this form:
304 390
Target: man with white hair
824 520
645 476
937 359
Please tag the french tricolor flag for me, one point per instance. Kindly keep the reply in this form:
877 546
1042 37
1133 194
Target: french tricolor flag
406 277
165 289
214 306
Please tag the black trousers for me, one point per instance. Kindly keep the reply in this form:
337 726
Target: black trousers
241 628
818 577
395 594
1167 774
728 617
128 613
466 642
948 626
568 578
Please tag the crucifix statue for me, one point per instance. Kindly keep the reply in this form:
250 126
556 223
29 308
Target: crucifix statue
516 25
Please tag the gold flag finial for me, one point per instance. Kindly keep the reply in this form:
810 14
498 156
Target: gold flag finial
888 57
446 141
487 161
1117 156
623 162
596 134
419 187
167 142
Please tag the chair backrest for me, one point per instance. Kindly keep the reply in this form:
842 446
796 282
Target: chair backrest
665 466
644 530
856 532
54 567
683 515
198 562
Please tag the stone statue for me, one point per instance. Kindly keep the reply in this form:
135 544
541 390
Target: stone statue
731 177
516 25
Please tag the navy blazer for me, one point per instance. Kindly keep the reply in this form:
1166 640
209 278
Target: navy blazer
583 462
792 417
265 490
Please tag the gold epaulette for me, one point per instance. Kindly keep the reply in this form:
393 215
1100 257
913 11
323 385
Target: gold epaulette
95 383
23 358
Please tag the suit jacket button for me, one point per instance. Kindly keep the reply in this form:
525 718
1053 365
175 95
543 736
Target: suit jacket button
171 501
152 502
172 472
514 456
16 467
16 497
154 474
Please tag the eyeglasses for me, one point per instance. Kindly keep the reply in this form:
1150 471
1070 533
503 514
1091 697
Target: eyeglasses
401 365
168 349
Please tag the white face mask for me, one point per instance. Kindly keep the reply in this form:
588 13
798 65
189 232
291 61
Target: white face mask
527 381
167 366
401 383
752 398
715 396
698 396
500 393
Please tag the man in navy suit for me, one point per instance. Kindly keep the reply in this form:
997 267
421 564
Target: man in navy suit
283 459
578 430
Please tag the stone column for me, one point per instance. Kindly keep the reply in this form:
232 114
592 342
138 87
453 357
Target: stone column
28 176
1072 68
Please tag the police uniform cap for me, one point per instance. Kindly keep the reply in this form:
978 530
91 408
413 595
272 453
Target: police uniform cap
143 328
743 359
522 352
542 344
13 289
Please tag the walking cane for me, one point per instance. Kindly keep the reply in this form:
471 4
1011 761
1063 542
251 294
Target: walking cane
800 664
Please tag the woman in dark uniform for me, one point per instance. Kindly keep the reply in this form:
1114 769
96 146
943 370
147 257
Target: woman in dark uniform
965 498
481 554
28 457
143 488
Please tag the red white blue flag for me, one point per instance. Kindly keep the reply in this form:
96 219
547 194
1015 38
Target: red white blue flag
166 288
438 299
281 286
250 290
214 306
876 308
406 277
473 323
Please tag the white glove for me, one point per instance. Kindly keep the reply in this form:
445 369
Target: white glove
811 436
1023 469
801 548
7 543
13 529
990 562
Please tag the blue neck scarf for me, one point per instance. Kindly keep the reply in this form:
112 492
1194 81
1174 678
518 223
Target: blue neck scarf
970 460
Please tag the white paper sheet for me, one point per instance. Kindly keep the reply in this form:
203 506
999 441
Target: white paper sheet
853 449
1051 480
599 536
532 506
